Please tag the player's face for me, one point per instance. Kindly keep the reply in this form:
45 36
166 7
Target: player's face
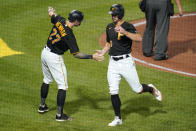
115 18
77 23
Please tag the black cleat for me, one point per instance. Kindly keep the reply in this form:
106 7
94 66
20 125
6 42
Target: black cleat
63 117
43 109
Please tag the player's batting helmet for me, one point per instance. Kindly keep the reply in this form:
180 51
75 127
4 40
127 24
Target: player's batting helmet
75 15
118 10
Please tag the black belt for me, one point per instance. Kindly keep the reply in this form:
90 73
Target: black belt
119 58
47 48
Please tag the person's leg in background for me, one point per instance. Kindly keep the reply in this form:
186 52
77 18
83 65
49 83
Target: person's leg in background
163 21
149 33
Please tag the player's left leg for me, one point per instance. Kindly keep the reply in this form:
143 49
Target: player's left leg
61 96
59 74
129 72
153 90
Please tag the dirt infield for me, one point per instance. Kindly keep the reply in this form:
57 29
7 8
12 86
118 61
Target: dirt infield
181 46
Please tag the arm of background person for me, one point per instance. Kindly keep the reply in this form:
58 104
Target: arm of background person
179 7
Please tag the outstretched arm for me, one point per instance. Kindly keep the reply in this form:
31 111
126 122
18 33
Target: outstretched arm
104 50
85 56
179 7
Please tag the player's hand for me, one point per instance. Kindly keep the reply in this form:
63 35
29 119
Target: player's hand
121 30
98 57
51 11
99 52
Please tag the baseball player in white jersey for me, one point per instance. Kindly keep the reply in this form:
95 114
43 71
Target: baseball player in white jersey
119 37
60 40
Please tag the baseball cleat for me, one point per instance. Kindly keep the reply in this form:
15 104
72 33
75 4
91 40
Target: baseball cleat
63 117
116 122
157 94
43 109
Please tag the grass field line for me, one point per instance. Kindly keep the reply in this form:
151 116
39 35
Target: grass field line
158 66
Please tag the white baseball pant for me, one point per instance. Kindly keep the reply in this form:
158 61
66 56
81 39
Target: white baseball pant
123 68
53 67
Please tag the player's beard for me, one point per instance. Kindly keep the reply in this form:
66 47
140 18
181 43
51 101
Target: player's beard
114 20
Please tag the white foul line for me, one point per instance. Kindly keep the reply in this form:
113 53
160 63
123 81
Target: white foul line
158 66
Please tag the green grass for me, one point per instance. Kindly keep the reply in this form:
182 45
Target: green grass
25 26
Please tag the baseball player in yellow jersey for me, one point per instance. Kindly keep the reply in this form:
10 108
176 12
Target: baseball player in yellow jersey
119 37
60 40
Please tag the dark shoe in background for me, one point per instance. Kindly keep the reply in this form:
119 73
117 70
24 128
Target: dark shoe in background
148 54
165 57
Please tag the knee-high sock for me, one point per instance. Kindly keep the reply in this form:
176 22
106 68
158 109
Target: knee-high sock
44 93
61 95
147 88
116 103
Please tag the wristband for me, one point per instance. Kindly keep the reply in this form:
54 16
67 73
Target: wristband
90 56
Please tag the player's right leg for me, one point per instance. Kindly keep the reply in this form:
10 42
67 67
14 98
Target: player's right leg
44 92
116 103
114 80
46 81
